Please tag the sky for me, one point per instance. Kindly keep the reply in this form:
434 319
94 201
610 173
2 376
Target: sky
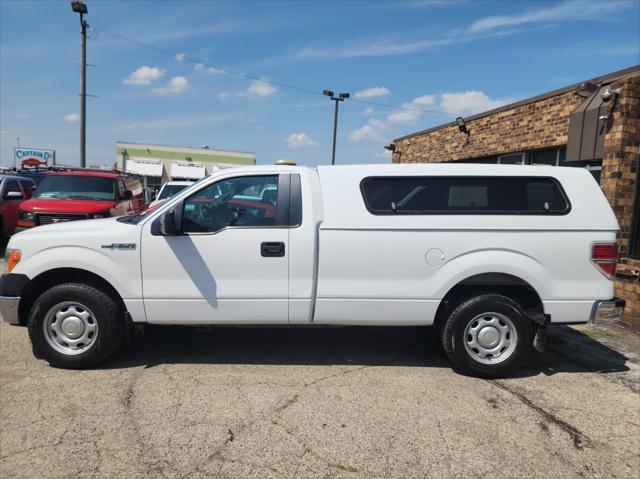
248 76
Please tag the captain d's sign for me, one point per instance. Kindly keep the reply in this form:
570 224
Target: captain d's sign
32 158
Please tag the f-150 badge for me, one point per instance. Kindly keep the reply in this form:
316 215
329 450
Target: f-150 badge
119 246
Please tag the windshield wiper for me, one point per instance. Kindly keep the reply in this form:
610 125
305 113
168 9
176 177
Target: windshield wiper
81 197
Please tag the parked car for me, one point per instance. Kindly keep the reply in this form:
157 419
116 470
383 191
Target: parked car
489 255
13 191
79 195
169 189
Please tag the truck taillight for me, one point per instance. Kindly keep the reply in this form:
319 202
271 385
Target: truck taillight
605 257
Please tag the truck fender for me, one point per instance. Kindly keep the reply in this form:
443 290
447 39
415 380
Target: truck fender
493 260
117 273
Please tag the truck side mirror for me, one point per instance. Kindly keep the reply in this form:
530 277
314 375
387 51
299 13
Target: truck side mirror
166 225
127 194
13 195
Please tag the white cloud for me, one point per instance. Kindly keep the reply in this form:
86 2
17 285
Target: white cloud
144 76
489 27
469 102
377 130
424 100
180 56
571 10
369 111
223 95
412 110
260 88
299 140
372 92
384 153
200 67
367 132
177 84
72 117
453 103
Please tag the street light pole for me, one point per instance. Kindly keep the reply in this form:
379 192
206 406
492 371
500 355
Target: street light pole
81 8
338 99
83 96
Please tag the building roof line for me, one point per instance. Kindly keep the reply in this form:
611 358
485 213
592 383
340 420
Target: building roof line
182 148
598 80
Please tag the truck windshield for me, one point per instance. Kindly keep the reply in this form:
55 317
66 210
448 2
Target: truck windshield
68 187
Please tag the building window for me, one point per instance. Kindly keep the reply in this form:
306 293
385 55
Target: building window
512 159
489 195
634 240
546 157
492 160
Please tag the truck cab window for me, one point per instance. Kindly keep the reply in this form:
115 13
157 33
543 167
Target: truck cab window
244 201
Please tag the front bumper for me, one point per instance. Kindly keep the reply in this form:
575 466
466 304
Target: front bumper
607 310
9 309
11 288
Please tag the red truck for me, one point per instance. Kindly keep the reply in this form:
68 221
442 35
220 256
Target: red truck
13 191
79 195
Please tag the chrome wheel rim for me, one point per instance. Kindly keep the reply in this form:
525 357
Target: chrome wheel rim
490 338
70 328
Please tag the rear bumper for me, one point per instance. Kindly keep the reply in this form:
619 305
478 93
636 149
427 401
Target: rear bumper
9 309
607 310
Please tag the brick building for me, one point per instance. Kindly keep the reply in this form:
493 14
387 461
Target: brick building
593 125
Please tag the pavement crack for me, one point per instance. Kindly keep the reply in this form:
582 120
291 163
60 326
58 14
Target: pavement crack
580 440
288 403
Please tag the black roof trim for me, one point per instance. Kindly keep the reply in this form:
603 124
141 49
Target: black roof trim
597 80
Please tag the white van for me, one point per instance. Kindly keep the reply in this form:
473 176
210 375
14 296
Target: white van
490 255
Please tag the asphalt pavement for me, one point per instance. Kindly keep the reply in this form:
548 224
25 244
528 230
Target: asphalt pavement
320 403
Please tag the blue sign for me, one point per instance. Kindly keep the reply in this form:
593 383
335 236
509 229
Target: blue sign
32 157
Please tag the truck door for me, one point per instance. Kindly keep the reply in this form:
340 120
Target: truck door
230 262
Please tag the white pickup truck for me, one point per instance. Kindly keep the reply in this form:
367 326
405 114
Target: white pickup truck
490 255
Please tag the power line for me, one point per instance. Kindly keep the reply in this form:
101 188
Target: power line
253 77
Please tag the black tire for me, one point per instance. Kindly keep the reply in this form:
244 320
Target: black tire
106 313
456 339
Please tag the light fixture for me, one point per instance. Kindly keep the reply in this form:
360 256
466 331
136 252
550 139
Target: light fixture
392 147
327 92
609 94
586 89
79 7
462 126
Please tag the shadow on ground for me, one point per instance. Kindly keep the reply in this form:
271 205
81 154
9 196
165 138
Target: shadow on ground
568 350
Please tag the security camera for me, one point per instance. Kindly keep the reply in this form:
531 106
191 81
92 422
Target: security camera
609 94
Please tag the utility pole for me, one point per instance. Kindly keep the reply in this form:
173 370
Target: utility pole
81 8
338 99
18 139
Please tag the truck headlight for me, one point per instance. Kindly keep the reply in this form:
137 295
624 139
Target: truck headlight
26 219
11 259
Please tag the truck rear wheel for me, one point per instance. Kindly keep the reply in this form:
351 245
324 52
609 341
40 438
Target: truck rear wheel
75 325
487 336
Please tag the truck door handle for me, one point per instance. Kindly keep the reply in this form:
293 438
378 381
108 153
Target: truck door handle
274 248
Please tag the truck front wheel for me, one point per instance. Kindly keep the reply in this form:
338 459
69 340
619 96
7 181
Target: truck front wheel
487 336
75 326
